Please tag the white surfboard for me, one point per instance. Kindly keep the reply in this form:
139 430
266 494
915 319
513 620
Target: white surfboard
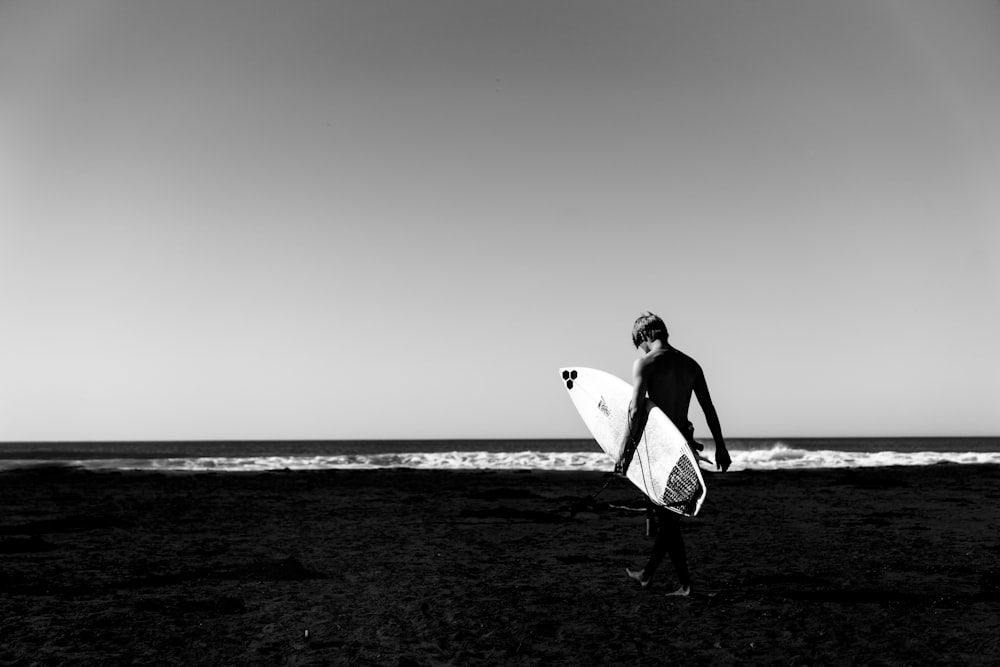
663 466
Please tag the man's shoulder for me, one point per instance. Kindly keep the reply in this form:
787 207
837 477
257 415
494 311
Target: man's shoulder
684 360
686 357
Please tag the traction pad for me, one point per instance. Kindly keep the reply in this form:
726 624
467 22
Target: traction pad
683 488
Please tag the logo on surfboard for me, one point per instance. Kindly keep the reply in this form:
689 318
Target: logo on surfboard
603 407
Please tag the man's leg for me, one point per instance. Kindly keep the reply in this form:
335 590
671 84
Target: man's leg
673 544
668 541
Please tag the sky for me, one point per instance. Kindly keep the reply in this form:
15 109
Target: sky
367 219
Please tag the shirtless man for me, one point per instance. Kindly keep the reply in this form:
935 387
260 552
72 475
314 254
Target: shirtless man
669 377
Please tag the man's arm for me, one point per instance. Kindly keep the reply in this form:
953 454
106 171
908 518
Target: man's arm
722 458
636 414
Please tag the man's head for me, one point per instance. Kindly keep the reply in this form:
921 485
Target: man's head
647 328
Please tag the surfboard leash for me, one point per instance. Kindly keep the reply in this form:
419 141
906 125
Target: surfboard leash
581 505
578 506
634 446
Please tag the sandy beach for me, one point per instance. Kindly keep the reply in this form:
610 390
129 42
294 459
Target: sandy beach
406 567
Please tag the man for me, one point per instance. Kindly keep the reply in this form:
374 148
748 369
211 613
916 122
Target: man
669 377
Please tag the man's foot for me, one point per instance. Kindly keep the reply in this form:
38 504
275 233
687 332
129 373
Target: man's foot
640 576
681 592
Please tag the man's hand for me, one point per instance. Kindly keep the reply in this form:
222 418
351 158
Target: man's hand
722 459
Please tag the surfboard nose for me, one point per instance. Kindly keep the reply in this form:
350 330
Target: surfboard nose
568 376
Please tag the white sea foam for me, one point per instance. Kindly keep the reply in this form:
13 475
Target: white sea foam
776 457
783 457
456 460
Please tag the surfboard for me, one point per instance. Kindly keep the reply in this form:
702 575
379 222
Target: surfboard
663 466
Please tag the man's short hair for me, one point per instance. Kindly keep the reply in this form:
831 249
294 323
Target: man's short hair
649 327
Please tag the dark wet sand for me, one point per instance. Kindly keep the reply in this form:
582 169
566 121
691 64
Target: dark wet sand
877 566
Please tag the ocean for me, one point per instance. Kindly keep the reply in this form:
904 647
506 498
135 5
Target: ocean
573 455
